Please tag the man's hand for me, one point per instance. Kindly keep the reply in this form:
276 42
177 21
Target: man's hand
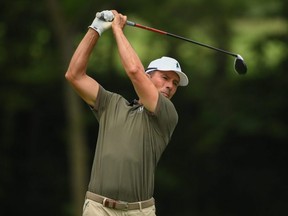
119 20
102 21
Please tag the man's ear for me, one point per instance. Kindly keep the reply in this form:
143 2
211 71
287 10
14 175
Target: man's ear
148 75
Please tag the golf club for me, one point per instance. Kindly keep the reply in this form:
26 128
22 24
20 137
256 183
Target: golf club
239 65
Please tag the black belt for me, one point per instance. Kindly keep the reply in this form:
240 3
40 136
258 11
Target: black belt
119 205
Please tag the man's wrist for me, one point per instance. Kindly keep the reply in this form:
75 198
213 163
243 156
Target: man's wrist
117 29
95 29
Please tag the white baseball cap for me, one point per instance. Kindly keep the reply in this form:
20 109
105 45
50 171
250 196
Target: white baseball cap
168 64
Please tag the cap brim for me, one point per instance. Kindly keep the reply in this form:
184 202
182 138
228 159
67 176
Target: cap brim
183 78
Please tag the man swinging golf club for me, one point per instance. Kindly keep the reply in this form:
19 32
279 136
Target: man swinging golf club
132 136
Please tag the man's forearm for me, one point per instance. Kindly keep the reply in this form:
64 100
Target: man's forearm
130 60
80 58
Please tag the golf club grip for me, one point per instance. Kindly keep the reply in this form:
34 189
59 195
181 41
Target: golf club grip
130 23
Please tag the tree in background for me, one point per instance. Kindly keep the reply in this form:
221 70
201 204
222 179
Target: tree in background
228 154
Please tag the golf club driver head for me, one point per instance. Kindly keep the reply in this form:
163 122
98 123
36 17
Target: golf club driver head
240 66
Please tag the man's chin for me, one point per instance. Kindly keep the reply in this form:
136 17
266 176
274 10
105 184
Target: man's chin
165 95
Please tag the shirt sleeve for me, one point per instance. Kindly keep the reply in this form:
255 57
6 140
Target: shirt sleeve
102 100
166 115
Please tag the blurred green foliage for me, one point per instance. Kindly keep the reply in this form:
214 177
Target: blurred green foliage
228 155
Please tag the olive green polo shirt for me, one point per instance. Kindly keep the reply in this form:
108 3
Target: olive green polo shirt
130 142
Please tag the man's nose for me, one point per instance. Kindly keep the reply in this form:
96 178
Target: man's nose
169 85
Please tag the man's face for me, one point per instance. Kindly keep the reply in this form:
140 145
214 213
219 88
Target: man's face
165 81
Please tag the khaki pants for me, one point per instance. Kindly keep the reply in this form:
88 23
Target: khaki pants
92 208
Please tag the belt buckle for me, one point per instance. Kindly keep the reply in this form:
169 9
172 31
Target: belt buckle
119 205
109 203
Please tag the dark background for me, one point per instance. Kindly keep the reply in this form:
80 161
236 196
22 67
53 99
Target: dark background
228 154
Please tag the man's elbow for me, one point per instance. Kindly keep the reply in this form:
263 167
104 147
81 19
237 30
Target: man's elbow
69 76
134 70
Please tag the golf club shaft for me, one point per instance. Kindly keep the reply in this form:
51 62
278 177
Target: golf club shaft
177 36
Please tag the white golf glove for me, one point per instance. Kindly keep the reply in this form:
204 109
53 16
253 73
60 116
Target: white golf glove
102 21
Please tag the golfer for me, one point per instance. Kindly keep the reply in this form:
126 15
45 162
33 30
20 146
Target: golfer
132 135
